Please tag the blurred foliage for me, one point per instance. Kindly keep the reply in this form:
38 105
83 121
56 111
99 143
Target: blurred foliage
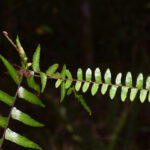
108 34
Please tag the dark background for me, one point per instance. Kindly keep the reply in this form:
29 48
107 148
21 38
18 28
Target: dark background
81 33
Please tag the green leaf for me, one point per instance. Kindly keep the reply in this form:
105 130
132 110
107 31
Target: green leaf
23 64
0 141
63 89
139 82
20 140
11 70
94 88
7 99
3 121
80 78
143 94
104 88
148 83
98 77
149 96
128 79
31 82
114 88
69 92
80 74
36 59
69 81
124 92
56 75
43 80
88 77
52 69
118 79
58 83
83 103
113 91
78 85
20 48
133 93
107 76
28 96
24 118
85 86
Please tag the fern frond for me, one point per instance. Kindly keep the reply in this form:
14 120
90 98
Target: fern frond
80 82
113 86
22 93
65 81
125 88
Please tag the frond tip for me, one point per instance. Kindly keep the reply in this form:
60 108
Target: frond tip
107 82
